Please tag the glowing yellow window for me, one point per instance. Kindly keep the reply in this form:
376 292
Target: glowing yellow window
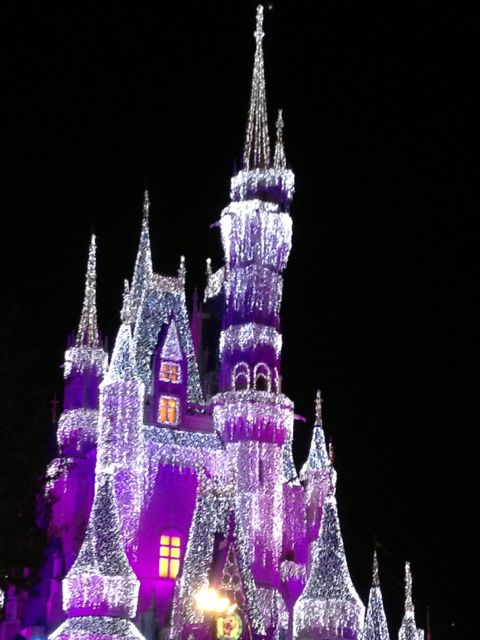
168 410
170 372
169 564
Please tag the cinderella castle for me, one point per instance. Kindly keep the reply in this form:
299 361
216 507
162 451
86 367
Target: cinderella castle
175 509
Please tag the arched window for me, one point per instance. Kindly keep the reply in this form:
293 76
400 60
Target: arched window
170 554
241 376
262 377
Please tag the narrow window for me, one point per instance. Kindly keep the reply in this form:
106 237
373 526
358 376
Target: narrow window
170 372
168 410
169 563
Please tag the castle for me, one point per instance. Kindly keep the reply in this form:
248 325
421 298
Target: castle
176 510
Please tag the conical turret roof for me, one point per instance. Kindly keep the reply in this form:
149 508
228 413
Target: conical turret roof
329 600
101 581
375 620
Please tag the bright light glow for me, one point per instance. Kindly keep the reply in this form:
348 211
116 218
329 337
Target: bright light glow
210 600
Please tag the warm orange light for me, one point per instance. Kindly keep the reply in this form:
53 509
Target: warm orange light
169 564
168 410
170 372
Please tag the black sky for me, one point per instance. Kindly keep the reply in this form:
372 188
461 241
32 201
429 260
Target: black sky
378 300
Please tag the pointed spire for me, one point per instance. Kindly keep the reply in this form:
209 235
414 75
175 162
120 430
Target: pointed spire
279 158
87 335
329 600
143 272
408 629
408 588
318 458
375 620
318 407
256 153
375 579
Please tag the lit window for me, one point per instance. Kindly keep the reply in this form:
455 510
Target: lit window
168 410
169 564
170 372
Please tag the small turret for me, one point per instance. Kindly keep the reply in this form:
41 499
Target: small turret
408 628
100 591
375 620
85 365
329 603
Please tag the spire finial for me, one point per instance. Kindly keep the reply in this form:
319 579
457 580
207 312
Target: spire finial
279 159
376 579
256 153
87 335
318 407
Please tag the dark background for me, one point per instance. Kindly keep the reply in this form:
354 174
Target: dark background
379 291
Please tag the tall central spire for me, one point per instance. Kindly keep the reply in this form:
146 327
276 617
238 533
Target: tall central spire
256 154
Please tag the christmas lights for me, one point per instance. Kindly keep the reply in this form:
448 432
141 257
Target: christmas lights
375 620
86 353
215 282
77 428
408 628
329 600
257 145
279 159
143 272
256 231
96 628
156 309
101 581
250 336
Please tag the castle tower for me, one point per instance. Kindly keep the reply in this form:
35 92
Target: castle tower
250 413
70 477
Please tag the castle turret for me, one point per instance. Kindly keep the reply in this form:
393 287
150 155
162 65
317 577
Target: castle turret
408 628
85 365
100 590
329 605
375 620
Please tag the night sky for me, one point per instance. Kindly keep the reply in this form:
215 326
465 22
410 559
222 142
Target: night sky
379 290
